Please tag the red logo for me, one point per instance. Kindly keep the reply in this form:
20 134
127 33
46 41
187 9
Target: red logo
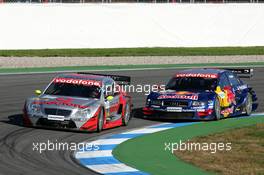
77 81
61 102
198 75
178 96
64 100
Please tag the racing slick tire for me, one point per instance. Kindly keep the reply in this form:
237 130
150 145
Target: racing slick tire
127 114
217 110
100 121
248 106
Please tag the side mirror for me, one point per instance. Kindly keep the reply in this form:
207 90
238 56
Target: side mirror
109 98
38 92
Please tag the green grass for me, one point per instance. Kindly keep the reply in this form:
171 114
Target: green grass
146 153
246 156
158 51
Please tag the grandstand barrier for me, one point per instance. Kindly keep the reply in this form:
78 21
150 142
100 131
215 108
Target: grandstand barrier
119 25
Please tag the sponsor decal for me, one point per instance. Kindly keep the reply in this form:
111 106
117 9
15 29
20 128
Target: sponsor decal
227 111
60 102
188 110
200 110
198 75
222 94
231 98
210 104
183 92
155 106
77 81
227 97
56 117
174 109
199 107
178 96
242 87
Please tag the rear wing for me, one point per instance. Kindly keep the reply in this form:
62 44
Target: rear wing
122 80
242 73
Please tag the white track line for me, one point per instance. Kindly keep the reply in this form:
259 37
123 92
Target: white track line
146 130
91 154
111 168
109 141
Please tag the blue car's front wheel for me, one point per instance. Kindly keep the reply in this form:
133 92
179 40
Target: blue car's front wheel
217 110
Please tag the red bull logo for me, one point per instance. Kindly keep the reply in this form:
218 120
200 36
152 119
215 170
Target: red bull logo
231 98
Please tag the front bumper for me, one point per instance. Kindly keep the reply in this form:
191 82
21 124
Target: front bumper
186 115
43 121
66 124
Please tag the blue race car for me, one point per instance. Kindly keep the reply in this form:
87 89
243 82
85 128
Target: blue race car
203 94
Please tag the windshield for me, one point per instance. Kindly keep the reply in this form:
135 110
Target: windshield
192 83
73 90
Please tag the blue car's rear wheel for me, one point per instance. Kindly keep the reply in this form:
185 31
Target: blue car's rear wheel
248 106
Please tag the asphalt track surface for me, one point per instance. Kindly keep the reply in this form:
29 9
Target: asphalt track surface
16 142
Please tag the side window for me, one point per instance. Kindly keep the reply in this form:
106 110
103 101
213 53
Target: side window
108 89
223 81
234 81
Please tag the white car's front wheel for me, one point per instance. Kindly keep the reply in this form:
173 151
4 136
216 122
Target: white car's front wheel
100 120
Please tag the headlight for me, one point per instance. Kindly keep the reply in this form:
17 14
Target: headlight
147 102
198 103
34 108
156 102
82 115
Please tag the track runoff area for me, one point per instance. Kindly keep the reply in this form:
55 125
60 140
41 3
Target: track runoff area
146 150
17 140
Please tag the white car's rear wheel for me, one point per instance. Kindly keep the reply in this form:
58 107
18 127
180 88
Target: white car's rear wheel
127 115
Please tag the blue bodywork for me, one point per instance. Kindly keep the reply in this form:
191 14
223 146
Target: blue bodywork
199 103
